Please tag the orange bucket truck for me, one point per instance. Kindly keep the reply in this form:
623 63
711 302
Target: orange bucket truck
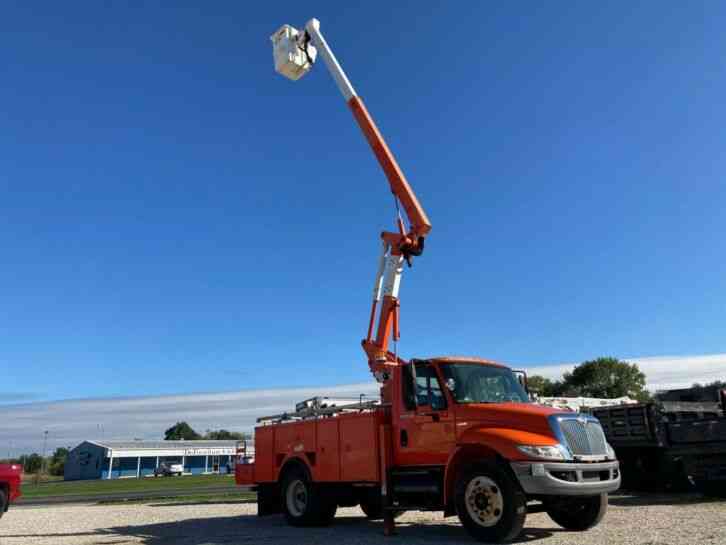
451 434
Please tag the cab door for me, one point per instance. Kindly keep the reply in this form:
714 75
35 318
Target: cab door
426 426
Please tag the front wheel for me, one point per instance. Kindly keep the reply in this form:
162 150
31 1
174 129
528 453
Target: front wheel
575 513
490 505
3 503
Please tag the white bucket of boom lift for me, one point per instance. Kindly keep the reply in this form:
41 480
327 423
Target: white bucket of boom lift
293 57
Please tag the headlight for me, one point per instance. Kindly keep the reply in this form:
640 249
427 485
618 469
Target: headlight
548 452
610 451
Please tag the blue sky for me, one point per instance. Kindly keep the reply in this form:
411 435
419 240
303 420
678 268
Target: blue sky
178 218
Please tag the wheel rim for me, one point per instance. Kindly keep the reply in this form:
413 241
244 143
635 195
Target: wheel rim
484 501
296 498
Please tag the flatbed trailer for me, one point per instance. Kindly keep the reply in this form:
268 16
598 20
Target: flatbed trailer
669 445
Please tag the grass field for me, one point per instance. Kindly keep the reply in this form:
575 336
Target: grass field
233 497
196 485
28 477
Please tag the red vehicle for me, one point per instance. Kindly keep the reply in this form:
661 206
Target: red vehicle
450 434
9 485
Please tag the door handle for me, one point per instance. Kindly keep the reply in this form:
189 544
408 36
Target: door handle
404 438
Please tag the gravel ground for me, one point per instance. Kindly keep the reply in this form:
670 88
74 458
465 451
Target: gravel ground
652 520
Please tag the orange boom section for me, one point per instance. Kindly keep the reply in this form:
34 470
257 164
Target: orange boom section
420 224
406 243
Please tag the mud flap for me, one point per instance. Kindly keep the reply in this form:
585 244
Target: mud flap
268 500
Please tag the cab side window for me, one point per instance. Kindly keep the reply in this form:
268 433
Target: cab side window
409 401
427 391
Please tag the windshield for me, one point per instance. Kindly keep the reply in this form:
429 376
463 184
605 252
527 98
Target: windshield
471 383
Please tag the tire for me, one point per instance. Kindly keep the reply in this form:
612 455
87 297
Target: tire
3 503
490 504
711 489
305 503
577 513
372 505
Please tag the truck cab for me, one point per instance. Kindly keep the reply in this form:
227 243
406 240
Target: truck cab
9 485
454 407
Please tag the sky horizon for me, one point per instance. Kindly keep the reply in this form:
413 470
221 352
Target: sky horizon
179 218
71 421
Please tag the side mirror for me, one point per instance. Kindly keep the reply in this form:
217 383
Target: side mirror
521 378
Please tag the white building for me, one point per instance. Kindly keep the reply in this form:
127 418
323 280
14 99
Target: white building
119 459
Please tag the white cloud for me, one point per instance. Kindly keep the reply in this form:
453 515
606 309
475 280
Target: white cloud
69 422
662 372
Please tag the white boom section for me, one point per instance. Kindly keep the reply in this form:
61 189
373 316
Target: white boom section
392 275
313 29
378 285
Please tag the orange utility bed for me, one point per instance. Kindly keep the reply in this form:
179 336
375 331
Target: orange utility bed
340 448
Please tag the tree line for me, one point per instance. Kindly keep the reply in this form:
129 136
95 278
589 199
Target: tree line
34 463
604 378
181 431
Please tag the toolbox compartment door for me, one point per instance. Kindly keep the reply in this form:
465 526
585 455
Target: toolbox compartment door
264 455
359 448
327 467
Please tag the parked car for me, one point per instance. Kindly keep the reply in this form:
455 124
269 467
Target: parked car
9 485
168 469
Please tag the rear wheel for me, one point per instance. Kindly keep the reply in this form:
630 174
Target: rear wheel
575 513
490 505
713 489
3 502
303 502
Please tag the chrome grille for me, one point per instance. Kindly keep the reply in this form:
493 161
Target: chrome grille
584 436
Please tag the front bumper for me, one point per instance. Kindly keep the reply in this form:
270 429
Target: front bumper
567 478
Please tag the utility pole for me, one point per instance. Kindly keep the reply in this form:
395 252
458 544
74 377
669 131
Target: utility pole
42 458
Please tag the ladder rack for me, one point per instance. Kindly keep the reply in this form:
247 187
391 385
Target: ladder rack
320 407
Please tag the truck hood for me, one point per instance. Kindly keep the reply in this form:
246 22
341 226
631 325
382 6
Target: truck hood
517 416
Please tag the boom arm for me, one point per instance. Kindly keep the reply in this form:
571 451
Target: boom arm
396 247
419 222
